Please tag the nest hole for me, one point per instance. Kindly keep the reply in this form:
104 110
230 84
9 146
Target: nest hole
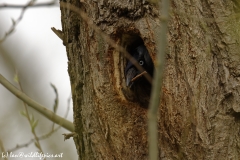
140 91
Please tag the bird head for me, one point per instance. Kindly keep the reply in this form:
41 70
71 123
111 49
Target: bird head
141 55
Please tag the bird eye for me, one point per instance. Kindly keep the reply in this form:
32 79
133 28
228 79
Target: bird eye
141 63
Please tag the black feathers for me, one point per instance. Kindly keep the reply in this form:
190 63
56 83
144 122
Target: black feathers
140 87
143 58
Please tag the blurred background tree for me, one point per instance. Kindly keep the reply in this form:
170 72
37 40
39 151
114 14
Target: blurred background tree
39 58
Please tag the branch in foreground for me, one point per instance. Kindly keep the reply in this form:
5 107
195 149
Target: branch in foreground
44 111
138 76
161 38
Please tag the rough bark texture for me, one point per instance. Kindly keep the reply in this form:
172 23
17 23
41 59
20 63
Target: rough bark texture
199 112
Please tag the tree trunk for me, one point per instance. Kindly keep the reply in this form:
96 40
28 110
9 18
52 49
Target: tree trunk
199 112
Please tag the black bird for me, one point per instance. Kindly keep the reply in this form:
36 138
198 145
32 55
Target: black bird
140 88
143 58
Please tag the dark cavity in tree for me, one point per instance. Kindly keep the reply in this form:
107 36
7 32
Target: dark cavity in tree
137 89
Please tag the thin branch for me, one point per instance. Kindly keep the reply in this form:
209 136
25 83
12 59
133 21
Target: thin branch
161 38
69 135
58 32
15 6
138 76
15 22
55 106
41 109
23 7
2 149
32 122
19 146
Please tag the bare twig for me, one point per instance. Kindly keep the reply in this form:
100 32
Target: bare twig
2 149
138 76
15 6
161 38
19 146
23 7
44 111
55 106
69 135
15 22
58 32
32 122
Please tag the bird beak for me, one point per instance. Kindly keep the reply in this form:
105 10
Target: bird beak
131 73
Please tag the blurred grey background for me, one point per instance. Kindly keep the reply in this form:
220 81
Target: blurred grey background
39 58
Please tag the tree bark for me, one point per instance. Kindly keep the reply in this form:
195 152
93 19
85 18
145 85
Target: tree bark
199 112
